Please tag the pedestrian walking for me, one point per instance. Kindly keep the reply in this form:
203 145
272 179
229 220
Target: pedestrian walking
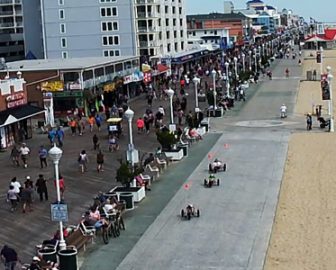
26 198
51 136
60 136
73 126
79 127
24 152
15 154
95 141
91 121
180 115
100 161
28 182
140 125
61 186
309 121
83 161
41 187
10 257
98 120
12 197
16 184
43 153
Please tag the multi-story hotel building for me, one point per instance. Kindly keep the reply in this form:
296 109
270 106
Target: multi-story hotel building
11 30
104 28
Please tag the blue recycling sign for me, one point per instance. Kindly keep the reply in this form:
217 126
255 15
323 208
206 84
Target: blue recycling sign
59 212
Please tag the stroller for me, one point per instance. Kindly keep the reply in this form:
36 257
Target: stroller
323 122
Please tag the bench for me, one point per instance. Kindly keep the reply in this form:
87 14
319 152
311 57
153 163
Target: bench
153 170
161 163
78 239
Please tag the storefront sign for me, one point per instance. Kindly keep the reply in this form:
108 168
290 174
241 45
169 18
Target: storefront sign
15 100
147 77
109 87
52 86
135 77
74 86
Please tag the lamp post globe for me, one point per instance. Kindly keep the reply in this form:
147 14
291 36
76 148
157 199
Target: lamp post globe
55 154
213 72
170 92
129 114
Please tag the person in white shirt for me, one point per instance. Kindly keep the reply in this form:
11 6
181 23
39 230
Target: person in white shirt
16 184
283 111
108 207
24 151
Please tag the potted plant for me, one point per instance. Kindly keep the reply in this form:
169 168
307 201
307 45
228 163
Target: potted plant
167 139
124 175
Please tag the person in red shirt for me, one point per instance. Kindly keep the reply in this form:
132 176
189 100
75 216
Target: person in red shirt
61 185
140 125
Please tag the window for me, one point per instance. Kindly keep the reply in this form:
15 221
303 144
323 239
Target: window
174 22
180 10
63 42
110 40
175 34
168 47
174 10
108 12
166 9
181 33
61 14
62 28
175 46
61 2
167 22
110 26
167 34
181 22
111 53
64 55
182 45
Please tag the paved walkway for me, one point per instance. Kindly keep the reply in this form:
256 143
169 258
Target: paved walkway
236 217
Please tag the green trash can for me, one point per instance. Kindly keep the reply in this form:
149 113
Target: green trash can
48 254
68 259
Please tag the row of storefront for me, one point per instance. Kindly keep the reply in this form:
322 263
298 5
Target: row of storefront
58 87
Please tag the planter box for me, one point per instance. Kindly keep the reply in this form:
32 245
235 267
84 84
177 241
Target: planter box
138 192
175 155
201 98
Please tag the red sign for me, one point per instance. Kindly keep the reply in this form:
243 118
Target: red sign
15 100
147 77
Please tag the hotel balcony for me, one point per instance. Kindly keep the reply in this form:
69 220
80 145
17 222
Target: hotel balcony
147 2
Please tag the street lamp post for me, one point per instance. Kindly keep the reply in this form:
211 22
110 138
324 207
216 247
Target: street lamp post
227 80
243 58
55 154
214 86
129 114
170 93
196 82
330 104
235 66
321 65
250 60
263 49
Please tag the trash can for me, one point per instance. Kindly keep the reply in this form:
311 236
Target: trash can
218 113
309 75
128 198
184 147
205 124
68 259
48 254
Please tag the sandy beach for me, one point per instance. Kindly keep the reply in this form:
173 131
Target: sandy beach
303 235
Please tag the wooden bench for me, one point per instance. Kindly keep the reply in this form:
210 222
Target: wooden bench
78 239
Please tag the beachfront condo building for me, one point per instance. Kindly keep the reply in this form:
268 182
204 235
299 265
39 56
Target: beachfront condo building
11 30
73 28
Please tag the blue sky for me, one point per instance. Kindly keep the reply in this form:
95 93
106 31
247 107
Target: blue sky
320 10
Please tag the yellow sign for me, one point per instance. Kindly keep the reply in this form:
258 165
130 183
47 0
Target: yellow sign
52 86
109 87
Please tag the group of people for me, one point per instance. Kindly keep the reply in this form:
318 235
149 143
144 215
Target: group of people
24 194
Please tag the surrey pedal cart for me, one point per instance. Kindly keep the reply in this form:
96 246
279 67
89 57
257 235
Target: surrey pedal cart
114 125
